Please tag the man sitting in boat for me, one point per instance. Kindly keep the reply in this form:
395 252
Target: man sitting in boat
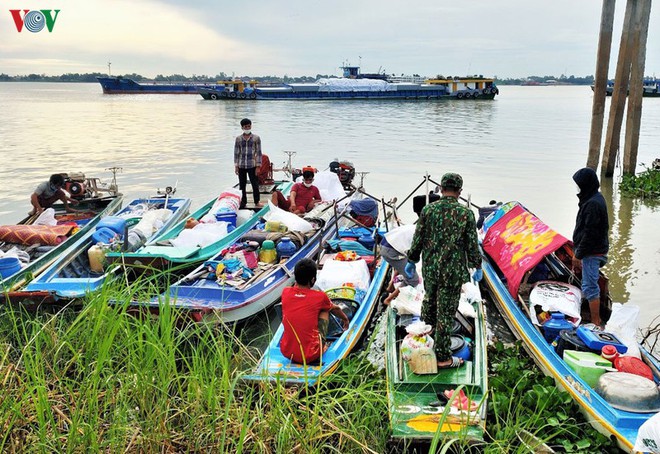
303 197
305 315
49 192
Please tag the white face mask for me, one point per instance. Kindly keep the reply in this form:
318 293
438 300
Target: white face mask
577 189
247 131
307 185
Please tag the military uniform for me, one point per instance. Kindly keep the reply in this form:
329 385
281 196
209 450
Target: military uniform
447 233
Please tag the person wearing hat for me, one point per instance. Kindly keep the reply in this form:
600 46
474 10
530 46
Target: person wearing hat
247 159
447 234
590 238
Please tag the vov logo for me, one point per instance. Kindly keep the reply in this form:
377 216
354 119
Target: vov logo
34 20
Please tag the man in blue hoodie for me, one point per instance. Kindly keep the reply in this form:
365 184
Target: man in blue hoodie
590 238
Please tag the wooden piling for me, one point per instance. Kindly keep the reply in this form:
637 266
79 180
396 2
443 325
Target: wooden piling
634 114
618 104
600 82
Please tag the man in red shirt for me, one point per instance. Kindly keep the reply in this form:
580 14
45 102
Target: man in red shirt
305 315
304 196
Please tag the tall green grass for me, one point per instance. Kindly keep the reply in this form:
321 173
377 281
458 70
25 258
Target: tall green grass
97 378
100 379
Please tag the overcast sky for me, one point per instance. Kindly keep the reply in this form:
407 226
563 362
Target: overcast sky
507 38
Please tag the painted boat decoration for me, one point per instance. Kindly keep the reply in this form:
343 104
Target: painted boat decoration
80 270
43 244
124 86
162 251
360 301
418 406
520 249
227 291
359 86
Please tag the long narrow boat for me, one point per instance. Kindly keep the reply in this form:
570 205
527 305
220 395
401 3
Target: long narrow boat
418 408
519 244
160 254
95 200
124 85
360 307
207 296
73 274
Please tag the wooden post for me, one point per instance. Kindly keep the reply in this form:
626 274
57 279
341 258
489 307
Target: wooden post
634 115
600 82
618 104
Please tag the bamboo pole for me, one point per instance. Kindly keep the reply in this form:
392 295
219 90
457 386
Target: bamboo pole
634 114
600 82
619 93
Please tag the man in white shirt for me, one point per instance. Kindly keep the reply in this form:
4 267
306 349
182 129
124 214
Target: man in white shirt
394 249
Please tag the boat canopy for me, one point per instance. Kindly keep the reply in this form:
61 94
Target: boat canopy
517 241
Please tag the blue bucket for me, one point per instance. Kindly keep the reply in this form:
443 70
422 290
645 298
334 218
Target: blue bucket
9 266
460 348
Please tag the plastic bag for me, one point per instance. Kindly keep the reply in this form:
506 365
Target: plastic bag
648 435
409 300
417 337
47 217
556 297
292 221
623 323
336 273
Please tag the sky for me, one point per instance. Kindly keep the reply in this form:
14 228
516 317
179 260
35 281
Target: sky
507 38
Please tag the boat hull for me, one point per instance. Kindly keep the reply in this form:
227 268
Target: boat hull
412 418
71 275
121 85
274 366
537 238
419 95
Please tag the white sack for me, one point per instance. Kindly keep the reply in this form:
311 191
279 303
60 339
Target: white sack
47 217
336 273
292 221
201 235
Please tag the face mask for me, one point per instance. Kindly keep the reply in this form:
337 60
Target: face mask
577 189
307 185
247 131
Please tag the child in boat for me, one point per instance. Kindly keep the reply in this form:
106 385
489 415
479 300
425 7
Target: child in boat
305 315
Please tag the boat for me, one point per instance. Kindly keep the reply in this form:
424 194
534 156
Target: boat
359 86
615 403
125 85
421 405
220 290
651 87
164 252
355 286
80 269
95 200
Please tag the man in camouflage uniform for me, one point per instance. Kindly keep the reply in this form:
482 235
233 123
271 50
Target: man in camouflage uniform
447 233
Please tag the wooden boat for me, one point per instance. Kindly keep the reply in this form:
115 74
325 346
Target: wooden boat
73 274
513 229
207 297
418 408
95 200
361 306
160 254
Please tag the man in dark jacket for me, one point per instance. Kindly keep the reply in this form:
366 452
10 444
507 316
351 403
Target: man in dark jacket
590 237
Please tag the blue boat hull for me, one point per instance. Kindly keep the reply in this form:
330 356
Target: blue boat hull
121 85
71 276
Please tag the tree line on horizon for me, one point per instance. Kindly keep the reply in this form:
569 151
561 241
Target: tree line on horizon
91 77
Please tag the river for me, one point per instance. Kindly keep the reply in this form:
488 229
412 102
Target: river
523 146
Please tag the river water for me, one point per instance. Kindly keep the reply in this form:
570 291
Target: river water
523 146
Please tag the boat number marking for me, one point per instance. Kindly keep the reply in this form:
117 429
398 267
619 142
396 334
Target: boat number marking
410 409
269 281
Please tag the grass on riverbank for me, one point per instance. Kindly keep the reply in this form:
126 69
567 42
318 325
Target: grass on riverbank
101 380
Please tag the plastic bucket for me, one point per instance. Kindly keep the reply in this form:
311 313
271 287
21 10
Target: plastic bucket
103 235
9 266
460 348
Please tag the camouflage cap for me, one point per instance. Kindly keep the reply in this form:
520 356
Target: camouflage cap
451 180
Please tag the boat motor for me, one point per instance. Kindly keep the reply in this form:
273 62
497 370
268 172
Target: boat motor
75 185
